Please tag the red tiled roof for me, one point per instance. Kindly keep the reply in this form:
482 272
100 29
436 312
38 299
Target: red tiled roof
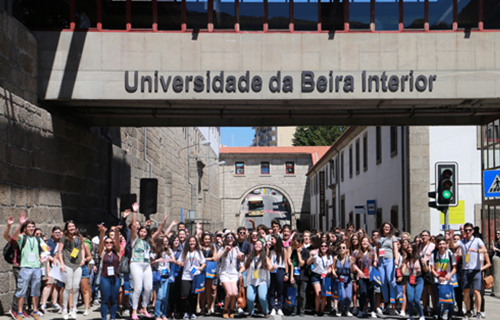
316 152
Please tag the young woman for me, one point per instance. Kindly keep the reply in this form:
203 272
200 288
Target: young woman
109 251
299 272
279 276
193 263
163 258
342 274
207 297
257 266
354 250
414 265
459 293
323 261
425 250
387 256
254 237
85 282
140 265
176 270
402 279
362 265
71 259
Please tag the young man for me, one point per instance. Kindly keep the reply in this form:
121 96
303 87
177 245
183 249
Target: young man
31 262
276 226
51 287
350 228
307 238
299 277
443 267
471 249
287 235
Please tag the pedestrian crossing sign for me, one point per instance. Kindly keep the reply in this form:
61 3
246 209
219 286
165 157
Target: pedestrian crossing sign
491 183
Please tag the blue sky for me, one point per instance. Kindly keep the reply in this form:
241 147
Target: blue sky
236 136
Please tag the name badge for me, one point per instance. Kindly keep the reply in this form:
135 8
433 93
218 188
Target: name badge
323 275
193 270
146 254
342 279
256 274
412 279
366 272
164 271
275 270
43 271
443 273
381 253
111 271
296 271
398 273
74 253
467 257
31 257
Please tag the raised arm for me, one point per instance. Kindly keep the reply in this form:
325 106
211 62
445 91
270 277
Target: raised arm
133 234
252 221
160 227
6 233
102 231
172 224
22 220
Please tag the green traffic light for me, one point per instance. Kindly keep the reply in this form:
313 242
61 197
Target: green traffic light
446 194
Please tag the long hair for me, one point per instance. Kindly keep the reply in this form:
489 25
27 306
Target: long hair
172 239
391 232
414 253
225 243
148 238
186 247
262 258
278 249
315 241
159 247
69 236
328 252
352 246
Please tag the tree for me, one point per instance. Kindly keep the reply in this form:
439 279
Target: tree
317 135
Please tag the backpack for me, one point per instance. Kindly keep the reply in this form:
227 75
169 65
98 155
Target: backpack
9 251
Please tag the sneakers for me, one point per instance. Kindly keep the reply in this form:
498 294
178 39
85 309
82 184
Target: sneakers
13 314
380 312
40 313
73 314
35 315
273 313
421 318
126 313
280 313
349 314
65 314
402 313
87 312
483 314
26 315
361 314
193 316
445 315
43 307
373 315
186 316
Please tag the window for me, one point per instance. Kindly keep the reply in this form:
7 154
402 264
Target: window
240 168
342 210
358 221
378 131
342 166
413 14
264 168
365 152
395 217
350 161
332 171
394 141
357 156
379 218
290 167
441 15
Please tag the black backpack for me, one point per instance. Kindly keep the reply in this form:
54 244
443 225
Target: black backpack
9 251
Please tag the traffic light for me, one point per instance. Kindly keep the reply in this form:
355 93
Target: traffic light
446 184
432 204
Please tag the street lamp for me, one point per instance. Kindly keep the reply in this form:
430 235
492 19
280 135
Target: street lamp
224 197
220 163
202 143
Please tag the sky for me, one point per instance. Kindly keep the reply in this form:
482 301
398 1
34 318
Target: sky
236 136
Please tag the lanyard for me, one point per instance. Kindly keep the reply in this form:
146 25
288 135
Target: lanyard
324 262
472 242
412 267
382 244
110 258
32 244
425 249
230 255
255 263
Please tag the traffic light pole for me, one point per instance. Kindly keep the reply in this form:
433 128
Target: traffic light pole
446 219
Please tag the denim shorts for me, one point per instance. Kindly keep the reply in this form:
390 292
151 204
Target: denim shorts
315 278
85 272
29 278
472 279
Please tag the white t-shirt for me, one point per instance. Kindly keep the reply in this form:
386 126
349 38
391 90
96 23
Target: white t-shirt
167 257
263 276
193 260
277 262
443 264
472 262
229 263
321 263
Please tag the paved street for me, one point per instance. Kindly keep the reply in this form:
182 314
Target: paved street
492 312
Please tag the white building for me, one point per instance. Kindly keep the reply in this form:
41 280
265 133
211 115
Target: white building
390 170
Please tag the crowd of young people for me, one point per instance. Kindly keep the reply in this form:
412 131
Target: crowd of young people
268 271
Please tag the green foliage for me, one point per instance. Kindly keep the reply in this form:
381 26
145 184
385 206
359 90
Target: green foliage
317 135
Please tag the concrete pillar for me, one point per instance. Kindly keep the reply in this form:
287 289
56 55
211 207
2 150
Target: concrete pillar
496 275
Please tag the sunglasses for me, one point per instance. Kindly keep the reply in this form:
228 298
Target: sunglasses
256 235
343 248
108 242
218 235
242 232
323 246
229 238
469 230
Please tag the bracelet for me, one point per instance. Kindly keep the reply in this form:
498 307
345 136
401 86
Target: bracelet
287 274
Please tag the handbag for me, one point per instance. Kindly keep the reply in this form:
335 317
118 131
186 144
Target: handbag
454 280
198 285
400 296
488 282
428 278
211 269
326 287
156 276
291 296
446 293
242 299
375 277
124 265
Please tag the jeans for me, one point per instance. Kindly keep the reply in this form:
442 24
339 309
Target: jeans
162 292
414 294
29 278
366 292
276 288
252 291
110 286
345 302
387 274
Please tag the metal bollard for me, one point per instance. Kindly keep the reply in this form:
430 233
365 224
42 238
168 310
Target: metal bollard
496 275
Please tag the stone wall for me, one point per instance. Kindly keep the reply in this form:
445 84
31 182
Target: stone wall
55 169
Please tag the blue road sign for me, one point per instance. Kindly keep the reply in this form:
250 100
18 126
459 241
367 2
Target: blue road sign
371 206
491 183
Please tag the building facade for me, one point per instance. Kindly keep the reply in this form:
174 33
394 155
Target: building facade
283 169
376 174
273 136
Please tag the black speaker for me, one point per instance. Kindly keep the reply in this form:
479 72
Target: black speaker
149 191
127 200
